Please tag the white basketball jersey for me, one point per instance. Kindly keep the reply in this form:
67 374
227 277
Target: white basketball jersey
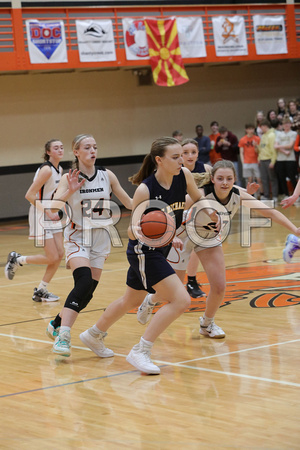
48 189
90 205
203 225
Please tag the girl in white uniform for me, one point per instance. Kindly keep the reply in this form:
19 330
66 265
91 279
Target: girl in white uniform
44 185
221 192
87 190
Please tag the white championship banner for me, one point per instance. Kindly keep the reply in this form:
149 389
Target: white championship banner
269 35
95 39
230 36
135 39
191 37
46 41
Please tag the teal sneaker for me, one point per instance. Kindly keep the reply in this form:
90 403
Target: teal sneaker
62 344
52 332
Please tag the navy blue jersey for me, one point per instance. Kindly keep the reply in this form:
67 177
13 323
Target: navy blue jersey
148 266
199 167
174 197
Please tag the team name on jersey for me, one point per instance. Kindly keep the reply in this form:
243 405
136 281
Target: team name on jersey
174 207
89 191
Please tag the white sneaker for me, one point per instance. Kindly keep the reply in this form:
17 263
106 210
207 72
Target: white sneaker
139 357
145 310
42 295
291 246
62 344
11 265
96 344
52 332
212 330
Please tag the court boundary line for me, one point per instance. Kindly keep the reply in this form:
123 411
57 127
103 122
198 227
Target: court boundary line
163 364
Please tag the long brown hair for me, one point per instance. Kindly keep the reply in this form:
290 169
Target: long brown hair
158 148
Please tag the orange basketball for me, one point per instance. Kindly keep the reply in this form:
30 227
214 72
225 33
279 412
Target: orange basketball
156 225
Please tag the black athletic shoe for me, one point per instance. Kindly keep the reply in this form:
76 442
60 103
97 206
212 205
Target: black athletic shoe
194 289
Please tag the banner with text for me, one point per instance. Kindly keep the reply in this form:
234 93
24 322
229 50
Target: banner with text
46 41
269 35
191 37
135 39
95 40
230 36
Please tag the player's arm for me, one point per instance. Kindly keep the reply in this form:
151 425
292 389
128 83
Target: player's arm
264 210
43 176
293 198
119 191
140 197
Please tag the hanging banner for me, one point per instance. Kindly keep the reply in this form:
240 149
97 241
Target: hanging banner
191 37
230 36
135 39
269 35
95 39
165 56
46 41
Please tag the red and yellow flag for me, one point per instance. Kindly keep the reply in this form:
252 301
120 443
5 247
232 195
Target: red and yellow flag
165 56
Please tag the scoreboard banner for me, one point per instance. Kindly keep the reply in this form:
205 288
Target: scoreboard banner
46 41
269 35
95 39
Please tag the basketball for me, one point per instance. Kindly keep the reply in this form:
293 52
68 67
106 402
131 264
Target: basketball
156 225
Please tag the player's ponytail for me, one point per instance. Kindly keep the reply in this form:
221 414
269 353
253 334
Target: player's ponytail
158 148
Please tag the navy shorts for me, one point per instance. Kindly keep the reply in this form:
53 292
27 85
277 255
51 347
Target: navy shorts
147 266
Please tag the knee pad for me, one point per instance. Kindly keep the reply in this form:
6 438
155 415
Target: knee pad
90 296
83 284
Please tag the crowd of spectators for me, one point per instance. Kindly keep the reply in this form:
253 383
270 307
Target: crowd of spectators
268 152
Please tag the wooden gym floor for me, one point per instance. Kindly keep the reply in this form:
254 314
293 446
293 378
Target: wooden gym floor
238 392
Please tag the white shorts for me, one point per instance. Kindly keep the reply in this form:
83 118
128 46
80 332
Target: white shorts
251 170
179 259
40 229
96 253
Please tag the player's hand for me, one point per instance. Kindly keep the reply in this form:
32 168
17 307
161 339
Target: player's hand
52 216
252 188
177 243
285 203
73 180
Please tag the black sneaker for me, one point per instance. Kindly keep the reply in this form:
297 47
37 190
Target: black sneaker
194 289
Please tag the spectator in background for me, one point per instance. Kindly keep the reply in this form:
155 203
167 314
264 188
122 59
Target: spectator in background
177 135
249 154
276 125
267 158
203 144
294 114
227 147
297 145
286 165
259 117
271 115
281 108
213 155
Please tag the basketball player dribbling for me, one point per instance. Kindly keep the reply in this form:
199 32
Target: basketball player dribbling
162 177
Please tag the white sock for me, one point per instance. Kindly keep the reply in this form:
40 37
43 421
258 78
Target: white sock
94 331
150 298
64 328
207 320
148 343
21 260
43 285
